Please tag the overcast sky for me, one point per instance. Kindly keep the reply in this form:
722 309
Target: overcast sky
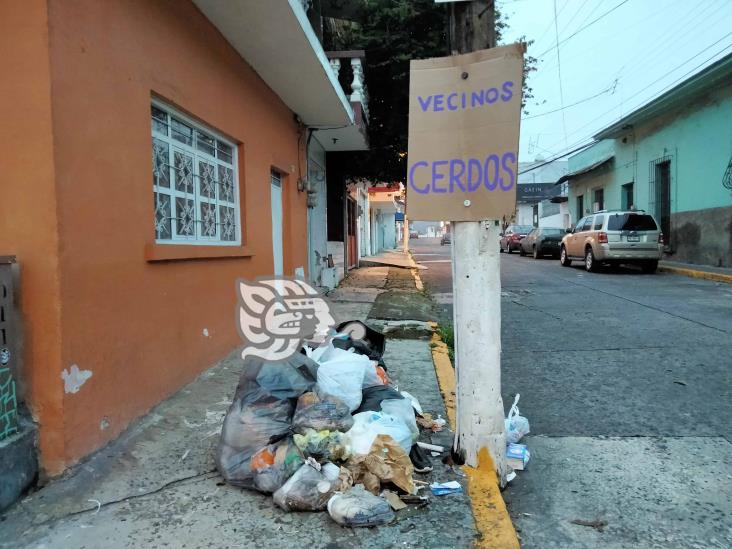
632 54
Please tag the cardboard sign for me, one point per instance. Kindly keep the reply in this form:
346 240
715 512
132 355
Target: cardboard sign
464 114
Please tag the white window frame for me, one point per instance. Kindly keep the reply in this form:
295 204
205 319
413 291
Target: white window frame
197 239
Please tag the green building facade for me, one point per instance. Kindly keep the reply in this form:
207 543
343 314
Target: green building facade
673 158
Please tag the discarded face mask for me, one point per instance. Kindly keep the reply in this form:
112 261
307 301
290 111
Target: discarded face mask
357 508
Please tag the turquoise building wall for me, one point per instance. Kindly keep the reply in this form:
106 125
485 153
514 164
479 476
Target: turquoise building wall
697 139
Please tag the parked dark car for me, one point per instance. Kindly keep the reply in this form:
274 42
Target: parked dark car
512 236
413 235
446 239
542 241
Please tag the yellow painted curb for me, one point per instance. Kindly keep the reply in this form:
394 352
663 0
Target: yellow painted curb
445 375
489 510
717 277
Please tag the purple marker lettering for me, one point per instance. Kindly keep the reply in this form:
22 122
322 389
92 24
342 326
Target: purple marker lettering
455 176
491 95
437 176
477 97
438 103
426 188
507 91
424 103
449 102
463 95
509 156
474 168
490 183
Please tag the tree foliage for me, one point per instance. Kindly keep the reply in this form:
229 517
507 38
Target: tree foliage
392 32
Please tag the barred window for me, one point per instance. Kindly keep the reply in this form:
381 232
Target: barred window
195 182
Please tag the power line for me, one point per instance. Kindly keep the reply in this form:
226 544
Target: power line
610 88
576 13
557 157
667 88
546 30
559 73
575 33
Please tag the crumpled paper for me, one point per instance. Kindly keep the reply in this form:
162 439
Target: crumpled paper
385 462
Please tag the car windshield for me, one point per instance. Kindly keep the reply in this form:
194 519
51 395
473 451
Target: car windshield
522 229
631 222
553 231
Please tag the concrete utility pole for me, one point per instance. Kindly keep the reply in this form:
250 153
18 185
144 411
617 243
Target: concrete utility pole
476 278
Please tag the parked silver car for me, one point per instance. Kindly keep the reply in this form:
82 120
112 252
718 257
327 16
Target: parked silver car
614 237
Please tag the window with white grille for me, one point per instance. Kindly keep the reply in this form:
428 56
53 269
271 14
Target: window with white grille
195 182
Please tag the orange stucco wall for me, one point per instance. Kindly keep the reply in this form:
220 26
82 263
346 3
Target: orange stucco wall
138 324
28 221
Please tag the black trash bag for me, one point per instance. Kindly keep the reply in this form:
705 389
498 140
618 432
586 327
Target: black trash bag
420 460
261 412
372 397
364 340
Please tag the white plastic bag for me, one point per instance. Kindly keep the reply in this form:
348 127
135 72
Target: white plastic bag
368 425
516 425
357 507
342 376
375 375
402 408
415 403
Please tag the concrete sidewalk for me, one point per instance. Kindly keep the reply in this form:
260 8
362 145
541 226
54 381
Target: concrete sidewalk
157 484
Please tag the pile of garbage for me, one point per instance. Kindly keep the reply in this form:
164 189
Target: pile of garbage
326 430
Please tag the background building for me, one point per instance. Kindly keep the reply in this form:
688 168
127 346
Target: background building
536 186
673 158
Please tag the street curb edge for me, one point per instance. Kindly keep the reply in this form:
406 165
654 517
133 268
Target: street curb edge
693 273
489 510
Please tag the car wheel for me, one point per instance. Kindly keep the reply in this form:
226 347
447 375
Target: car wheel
590 263
563 258
536 252
508 248
522 253
650 267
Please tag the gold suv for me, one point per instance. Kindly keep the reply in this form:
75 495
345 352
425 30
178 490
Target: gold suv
613 237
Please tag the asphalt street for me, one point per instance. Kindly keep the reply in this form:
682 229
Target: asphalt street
625 378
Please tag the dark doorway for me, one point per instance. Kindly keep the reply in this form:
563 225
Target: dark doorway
580 207
626 199
599 199
352 242
663 196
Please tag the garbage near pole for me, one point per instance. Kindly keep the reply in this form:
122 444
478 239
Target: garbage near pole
325 428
